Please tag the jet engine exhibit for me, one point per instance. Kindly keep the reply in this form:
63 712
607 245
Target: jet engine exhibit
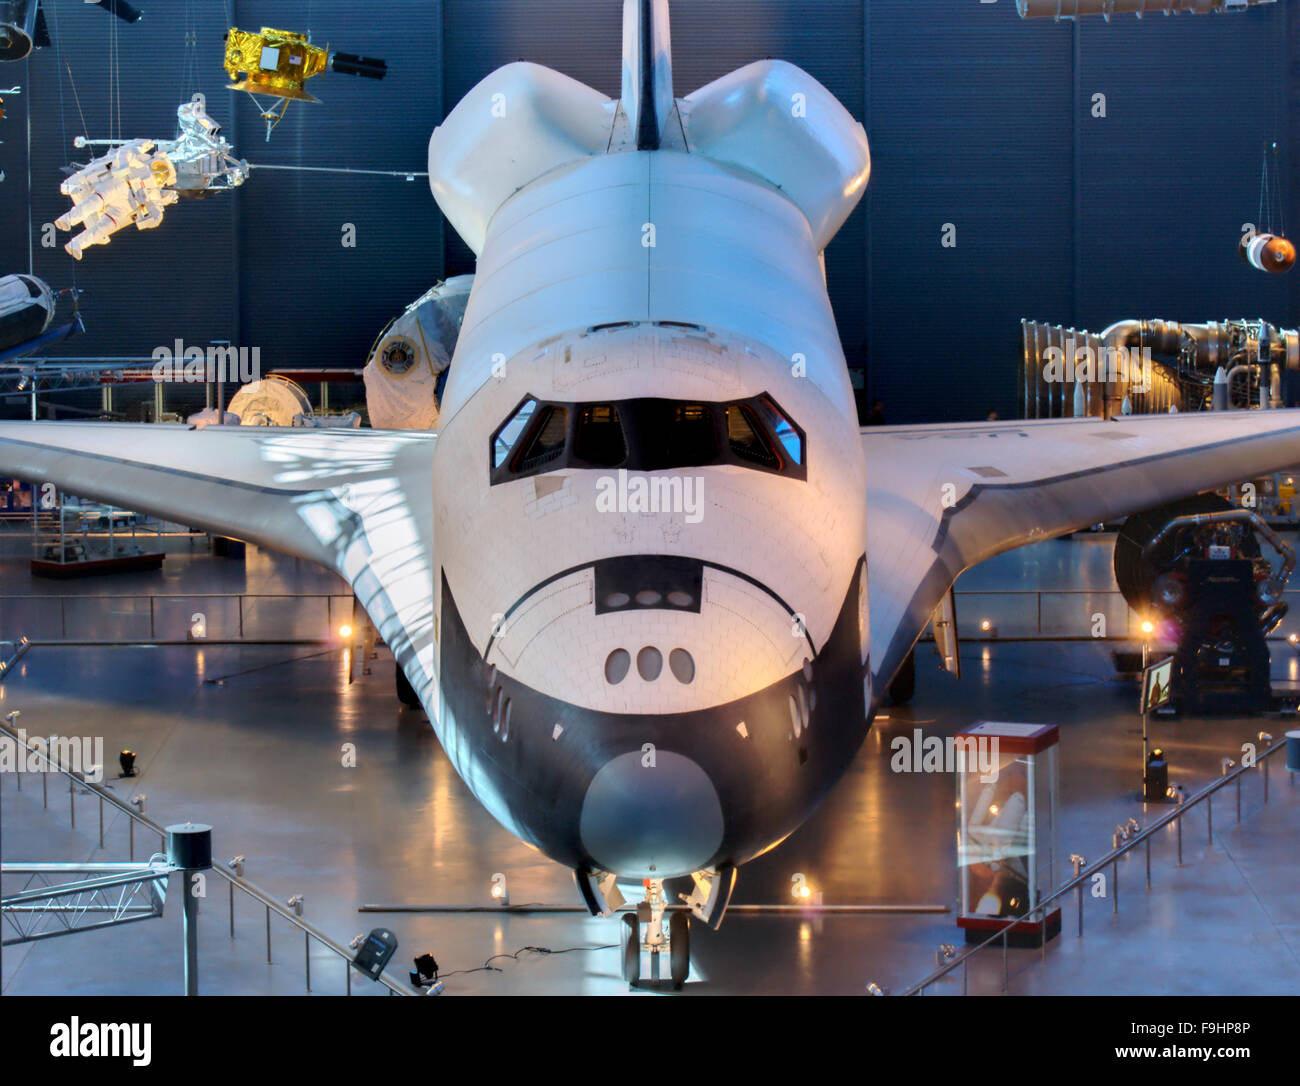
1196 567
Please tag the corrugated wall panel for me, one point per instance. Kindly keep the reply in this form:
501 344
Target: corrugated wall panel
307 300
1167 179
970 125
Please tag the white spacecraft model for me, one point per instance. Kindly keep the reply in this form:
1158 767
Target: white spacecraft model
406 365
136 180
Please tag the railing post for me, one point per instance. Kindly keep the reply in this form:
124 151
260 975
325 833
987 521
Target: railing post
268 935
1005 931
1114 885
45 786
1239 799
306 943
1148 844
1178 821
101 823
1209 816
72 805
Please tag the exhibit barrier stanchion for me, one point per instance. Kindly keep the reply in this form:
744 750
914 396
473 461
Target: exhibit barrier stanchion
1178 822
189 850
1148 863
1114 885
1209 817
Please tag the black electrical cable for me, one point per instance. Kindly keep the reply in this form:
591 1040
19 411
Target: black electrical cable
543 951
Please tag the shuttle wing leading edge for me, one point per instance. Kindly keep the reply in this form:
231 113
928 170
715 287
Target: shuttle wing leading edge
942 498
358 502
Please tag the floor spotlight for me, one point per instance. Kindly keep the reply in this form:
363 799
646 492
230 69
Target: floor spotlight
127 761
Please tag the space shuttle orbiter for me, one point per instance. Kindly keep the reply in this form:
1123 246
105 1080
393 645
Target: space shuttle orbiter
650 578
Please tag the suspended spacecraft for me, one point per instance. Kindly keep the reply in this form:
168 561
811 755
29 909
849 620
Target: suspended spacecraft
23 27
26 312
278 63
407 367
1268 252
136 180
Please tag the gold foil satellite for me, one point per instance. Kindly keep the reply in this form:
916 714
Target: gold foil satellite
275 63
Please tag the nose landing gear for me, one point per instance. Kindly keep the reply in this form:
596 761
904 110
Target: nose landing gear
644 933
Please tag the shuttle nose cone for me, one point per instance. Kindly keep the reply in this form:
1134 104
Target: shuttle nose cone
651 814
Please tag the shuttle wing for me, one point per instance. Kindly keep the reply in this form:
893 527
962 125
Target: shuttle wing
359 502
942 498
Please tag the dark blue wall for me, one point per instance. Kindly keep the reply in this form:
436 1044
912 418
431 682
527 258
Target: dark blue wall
976 119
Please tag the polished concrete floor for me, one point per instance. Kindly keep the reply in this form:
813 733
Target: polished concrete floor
258 754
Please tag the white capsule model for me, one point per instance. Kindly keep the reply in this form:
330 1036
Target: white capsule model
650 579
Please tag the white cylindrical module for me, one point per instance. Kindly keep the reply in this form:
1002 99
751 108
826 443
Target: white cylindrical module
1068 9
1268 253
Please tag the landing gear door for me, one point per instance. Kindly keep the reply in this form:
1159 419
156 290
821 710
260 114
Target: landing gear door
944 625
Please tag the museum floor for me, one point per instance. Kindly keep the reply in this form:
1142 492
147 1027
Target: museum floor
257 755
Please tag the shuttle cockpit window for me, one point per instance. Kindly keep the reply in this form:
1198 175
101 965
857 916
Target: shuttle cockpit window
647 434
507 437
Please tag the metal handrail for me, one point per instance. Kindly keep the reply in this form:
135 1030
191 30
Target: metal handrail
333 602
225 871
1086 873
978 636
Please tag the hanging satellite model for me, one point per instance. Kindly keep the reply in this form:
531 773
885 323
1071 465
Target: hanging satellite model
23 27
276 64
136 180
1263 247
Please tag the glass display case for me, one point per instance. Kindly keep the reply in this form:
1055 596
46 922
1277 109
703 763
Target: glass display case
1008 783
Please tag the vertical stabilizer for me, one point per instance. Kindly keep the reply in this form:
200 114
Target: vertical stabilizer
647 70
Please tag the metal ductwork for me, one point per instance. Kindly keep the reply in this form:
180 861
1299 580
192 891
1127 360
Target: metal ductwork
1154 365
1069 9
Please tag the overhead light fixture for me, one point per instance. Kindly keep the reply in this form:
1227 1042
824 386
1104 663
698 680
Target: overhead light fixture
345 631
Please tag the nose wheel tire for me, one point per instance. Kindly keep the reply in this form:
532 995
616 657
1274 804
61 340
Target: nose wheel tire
631 949
405 691
679 942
